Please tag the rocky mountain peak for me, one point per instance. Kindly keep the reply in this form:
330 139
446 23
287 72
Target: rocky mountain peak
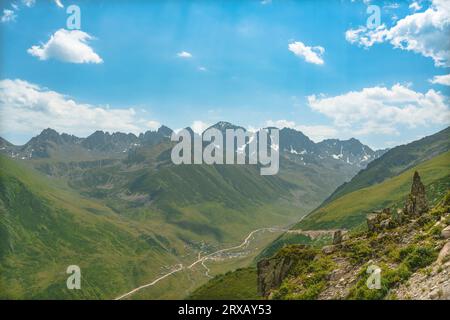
48 135
165 131
223 126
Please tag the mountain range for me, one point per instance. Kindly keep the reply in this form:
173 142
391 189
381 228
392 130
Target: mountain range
117 200
100 144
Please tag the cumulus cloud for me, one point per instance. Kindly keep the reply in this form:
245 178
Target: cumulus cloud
199 126
184 54
424 32
383 110
67 46
153 125
314 132
310 54
27 108
444 80
8 15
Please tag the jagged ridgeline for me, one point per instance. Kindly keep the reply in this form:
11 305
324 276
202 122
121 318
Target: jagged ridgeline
117 206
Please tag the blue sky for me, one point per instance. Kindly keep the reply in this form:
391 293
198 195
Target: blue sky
180 63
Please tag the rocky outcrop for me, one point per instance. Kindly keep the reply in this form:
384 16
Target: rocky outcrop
381 220
337 237
410 248
416 203
271 272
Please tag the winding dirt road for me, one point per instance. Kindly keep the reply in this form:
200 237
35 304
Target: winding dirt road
202 260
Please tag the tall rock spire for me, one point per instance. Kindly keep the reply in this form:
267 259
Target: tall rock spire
416 203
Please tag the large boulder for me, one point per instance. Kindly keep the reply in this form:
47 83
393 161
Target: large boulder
416 203
446 232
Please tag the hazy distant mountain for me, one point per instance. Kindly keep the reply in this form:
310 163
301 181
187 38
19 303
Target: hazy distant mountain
294 144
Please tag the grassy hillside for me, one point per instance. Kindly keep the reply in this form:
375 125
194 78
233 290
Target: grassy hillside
394 162
44 229
348 211
351 209
239 284
118 240
406 252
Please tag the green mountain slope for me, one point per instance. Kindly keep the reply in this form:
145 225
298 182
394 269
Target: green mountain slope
122 224
351 209
221 202
45 228
395 161
239 284
349 212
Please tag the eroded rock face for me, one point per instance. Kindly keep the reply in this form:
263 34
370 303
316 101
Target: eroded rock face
416 203
272 271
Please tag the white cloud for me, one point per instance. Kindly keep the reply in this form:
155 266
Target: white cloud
415 6
310 54
264 2
153 125
59 3
184 54
314 132
8 15
383 110
443 79
202 69
11 14
68 46
27 108
29 3
364 37
424 32
199 126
